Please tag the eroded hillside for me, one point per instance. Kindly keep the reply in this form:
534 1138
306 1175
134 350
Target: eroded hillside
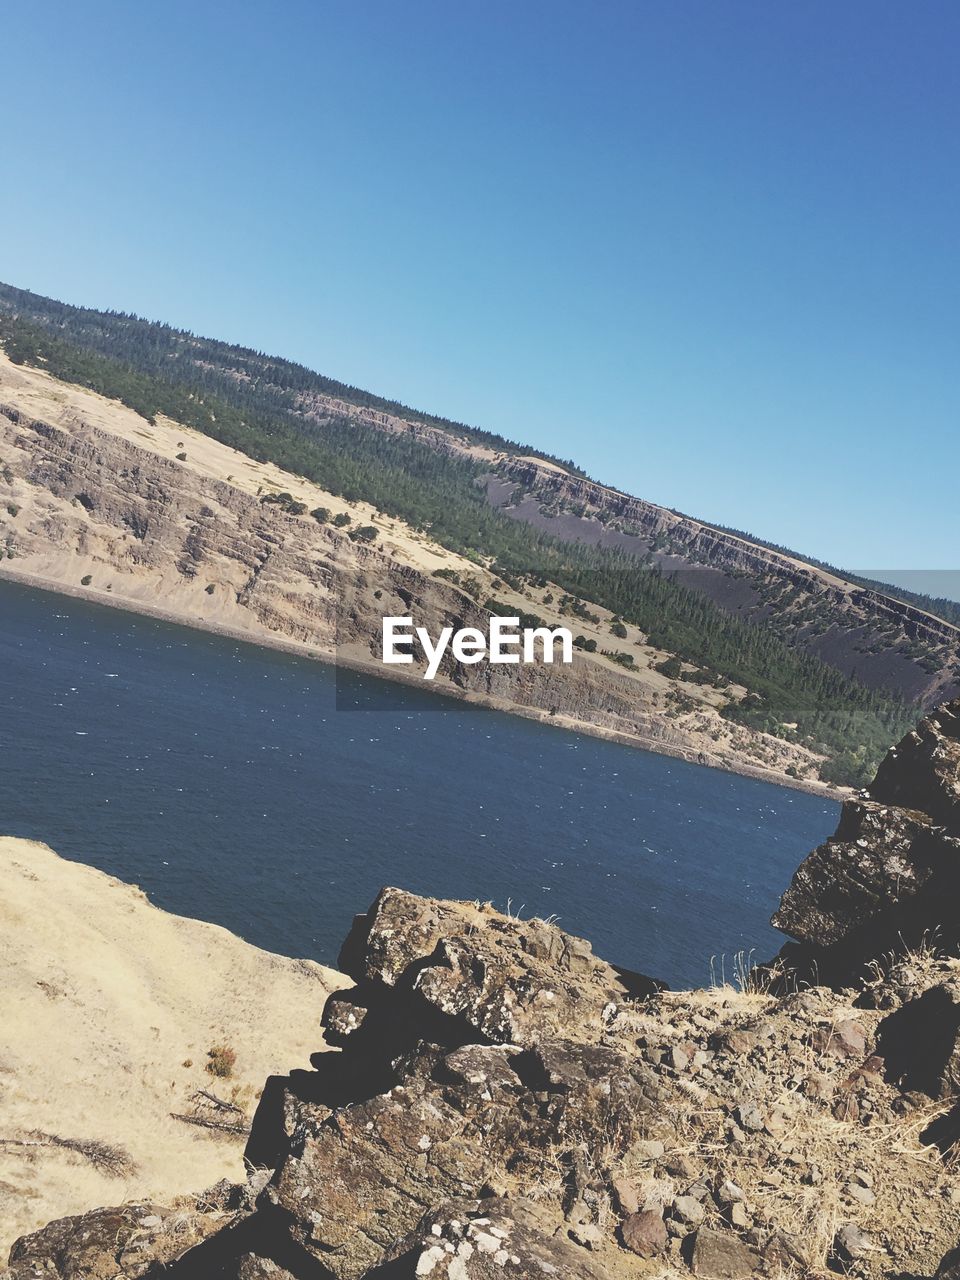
159 517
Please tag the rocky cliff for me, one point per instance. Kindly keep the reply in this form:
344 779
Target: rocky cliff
886 642
890 876
503 1103
97 500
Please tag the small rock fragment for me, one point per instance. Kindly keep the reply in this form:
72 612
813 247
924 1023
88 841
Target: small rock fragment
863 1195
851 1243
645 1234
749 1116
688 1209
626 1194
718 1255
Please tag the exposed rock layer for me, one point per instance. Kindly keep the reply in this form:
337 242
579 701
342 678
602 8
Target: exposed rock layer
891 874
115 513
708 557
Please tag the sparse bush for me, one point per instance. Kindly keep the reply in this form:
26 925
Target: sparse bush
86 580
286 502
670 667
181 457
221 1061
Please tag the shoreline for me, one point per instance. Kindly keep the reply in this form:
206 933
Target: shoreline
268 640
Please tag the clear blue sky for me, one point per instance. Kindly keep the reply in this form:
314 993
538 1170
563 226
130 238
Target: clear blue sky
710 250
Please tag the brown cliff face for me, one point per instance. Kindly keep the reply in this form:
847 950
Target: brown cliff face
884 641
891 874
88 507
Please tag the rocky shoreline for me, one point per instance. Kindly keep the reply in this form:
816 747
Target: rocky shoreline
445 688
501 1102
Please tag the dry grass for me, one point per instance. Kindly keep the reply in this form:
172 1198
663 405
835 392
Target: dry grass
130 994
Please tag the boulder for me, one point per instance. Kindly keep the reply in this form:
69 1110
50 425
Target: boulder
123 1243
922 772
357 1181
891 872
720 1255
645 1233
511 981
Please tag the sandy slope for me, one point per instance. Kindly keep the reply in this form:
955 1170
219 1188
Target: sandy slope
105 999
37 394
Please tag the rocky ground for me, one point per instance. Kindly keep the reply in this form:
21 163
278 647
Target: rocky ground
506 1104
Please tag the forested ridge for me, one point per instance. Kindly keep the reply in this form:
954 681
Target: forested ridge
792 694
248 379
939 606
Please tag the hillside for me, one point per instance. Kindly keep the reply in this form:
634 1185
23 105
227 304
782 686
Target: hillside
109 1007
825 664
157 517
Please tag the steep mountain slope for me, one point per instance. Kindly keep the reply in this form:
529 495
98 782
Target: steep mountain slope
157 517
863 631
733 611
888 640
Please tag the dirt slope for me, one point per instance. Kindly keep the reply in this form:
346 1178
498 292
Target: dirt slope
108 1008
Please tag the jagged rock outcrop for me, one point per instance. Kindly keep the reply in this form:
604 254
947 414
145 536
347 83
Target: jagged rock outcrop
506 1104
891 873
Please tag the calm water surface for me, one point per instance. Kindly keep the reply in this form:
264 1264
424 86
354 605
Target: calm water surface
225 781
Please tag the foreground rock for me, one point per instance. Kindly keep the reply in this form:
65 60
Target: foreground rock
506 1104
891 874
470 1129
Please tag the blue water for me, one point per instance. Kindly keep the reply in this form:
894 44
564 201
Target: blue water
225 781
